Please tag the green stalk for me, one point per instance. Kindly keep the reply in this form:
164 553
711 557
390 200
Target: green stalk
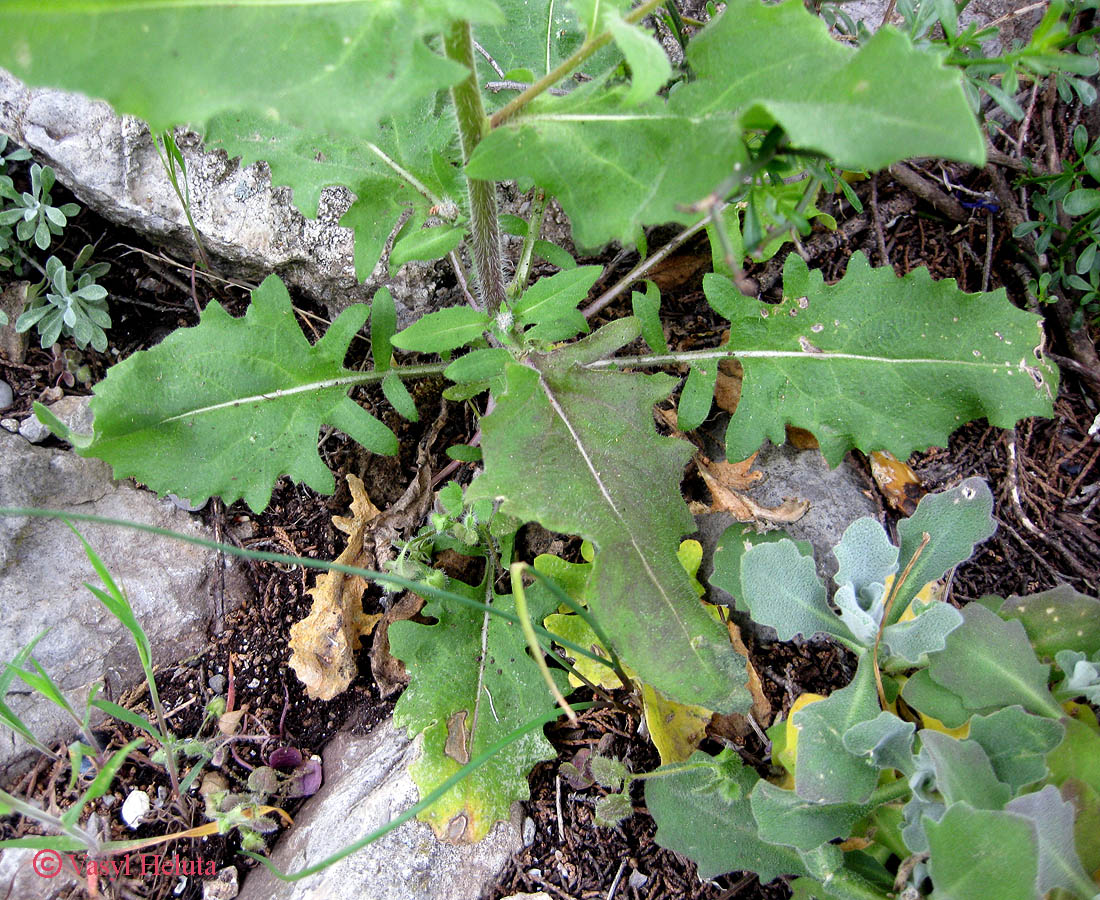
590 46
472 126
385 578
523 267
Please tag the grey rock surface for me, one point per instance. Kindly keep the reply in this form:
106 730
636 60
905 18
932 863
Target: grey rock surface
172 586
74 411
837 498
32 430
19 880
366 785
250 228
6 395
13 345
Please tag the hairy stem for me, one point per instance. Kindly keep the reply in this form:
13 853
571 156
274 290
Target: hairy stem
590 46
484 226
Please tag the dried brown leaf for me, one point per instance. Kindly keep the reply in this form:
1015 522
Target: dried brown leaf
389 672
323 644
727 390
736 726
801 439
723 479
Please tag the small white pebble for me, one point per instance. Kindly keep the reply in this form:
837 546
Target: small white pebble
135 807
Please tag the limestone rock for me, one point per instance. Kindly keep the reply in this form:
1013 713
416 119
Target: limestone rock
171 585
249 227
366 785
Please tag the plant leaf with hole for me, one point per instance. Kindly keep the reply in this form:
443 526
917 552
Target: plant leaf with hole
227 407
471 683
576 450
834 360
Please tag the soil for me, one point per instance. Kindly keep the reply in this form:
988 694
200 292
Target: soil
1044 475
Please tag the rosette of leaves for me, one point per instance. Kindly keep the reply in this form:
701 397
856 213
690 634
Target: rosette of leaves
776 582
34 215
69 303
1003 803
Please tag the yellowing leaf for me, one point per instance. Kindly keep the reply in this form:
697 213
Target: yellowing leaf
573 628
788 756
675 729
690 555
899 484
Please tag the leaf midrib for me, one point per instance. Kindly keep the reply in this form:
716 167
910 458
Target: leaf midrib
650 574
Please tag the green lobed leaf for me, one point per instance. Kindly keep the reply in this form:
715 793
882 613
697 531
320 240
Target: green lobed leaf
907 644
1016 743
1057 619
704 813
782 817
624 161
442 330
307 61
781 588
826 771
867 108
857 105
886 740
227 407
732 545
963 771
576 450
471 683
1051 818
989 662
829 360
838 361
954 520
981 853
308 160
